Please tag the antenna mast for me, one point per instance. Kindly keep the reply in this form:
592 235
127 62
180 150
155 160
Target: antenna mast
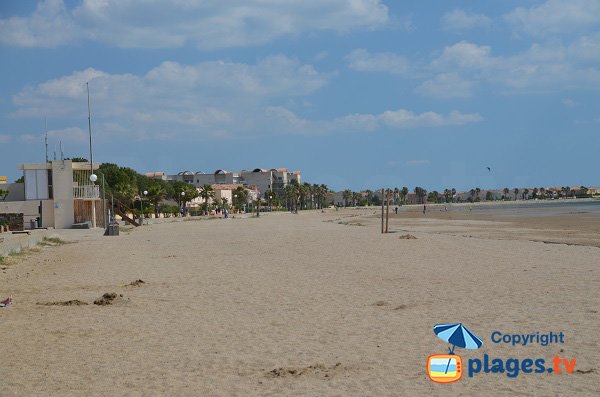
46 137
90 127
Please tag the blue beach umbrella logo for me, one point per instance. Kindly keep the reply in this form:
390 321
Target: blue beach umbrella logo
457 335
447 368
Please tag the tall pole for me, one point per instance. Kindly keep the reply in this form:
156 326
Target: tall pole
104 202
382 206
46 137
90 127
387 211
91 153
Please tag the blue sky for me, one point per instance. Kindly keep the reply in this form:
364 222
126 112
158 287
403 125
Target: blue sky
354 93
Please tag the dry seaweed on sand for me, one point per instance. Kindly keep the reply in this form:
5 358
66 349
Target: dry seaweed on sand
106 299
72 302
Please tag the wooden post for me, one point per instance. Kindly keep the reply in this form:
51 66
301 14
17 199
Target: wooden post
382 206
387 211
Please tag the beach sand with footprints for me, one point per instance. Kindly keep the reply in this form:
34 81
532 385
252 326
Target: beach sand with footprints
308 304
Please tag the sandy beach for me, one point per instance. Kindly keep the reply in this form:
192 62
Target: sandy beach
314 304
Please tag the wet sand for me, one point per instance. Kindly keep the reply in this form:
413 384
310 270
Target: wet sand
570 226
307 304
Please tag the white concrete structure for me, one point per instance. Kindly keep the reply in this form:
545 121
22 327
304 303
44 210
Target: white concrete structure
59 193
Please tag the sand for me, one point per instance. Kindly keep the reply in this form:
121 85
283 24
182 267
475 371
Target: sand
314 304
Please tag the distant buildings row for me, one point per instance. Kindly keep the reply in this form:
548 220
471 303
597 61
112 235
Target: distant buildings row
262 180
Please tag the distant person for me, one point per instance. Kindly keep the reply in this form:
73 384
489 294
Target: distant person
396 210
225 213
424 208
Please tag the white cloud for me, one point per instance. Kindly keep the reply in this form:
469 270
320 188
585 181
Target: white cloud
30 138
401 119
460 20
416 163
586 48
201 95
364 122
71 134
465 55
568 102
446 85
50 25
172 99
555 16
542 68
208 24
4 138
362 60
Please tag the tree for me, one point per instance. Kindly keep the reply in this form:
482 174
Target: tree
78 159
489 196
525 194
206 192
516 191
156 194
404 193
434 197
240 197
20 180
3 194
421 194
347 195
506 191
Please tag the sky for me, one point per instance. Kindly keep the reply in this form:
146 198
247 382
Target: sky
354 93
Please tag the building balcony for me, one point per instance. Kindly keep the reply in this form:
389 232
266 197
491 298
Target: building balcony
86 192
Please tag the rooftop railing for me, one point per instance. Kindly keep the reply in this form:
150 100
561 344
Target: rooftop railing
86 192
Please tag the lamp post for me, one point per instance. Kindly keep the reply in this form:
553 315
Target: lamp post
182 203
93 178
142 204
270 203
235 201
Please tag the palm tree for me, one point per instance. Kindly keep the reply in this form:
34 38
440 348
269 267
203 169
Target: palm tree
516 191
156 193
404 192
421 194
347 195
207 192
356 196
472 194
506 191
525 194
240 196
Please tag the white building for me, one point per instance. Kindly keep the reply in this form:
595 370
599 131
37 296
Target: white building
58 193
275 179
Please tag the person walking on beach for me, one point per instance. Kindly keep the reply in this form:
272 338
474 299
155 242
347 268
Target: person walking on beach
424 208
396 210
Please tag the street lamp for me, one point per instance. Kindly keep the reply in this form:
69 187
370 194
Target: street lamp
142 205
270 203
182 203
93 178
